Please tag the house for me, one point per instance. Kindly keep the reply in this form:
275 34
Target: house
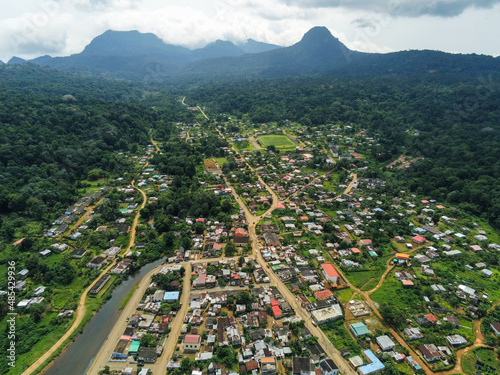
495 328
373 366
418 239
487 273
412 363
302 366
330 272
359 329
402 257
385 343
328 367
96 262
456 340
366 242
78 253
429 352
327 314
251 365
192 343
23 273
413 333
268 366
407 283
147 355
171 296
453 320
277 312
271 239
20 285
323 294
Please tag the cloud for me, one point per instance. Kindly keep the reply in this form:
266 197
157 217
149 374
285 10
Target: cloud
35 34
364 23
404 8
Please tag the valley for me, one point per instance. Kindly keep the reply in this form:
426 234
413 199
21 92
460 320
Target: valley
332 224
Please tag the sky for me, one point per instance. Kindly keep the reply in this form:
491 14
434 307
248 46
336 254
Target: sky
32 28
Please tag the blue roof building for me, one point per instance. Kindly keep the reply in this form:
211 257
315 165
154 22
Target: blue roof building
374 365
359 329
171 296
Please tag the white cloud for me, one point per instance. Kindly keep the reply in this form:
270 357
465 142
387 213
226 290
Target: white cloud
35 27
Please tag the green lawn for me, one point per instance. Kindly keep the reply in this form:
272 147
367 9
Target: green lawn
221 161
279 141
366 280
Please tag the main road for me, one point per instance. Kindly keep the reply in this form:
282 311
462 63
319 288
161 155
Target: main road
252 221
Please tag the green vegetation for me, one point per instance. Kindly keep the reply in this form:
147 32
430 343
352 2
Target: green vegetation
339 336
278 141
480 360
129 295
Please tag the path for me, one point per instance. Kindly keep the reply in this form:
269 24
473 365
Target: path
254 143
84 216
203 113
366 295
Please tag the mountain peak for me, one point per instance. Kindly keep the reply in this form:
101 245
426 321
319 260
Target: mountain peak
318 45
124 42
319 36
16 60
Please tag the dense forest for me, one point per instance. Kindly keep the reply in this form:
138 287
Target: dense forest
58 129
451 121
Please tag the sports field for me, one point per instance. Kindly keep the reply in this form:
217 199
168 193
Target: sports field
279 141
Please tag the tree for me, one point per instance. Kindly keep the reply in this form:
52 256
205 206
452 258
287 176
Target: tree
230 249
186 365
241 260
225 355
36 312
148 340
392 315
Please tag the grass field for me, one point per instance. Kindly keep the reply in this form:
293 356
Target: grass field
366 280
488 358
221 161
279 141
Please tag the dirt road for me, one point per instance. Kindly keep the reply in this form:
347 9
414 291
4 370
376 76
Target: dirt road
83 217
252 221
101 359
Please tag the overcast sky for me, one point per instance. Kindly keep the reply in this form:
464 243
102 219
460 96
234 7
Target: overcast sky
31 28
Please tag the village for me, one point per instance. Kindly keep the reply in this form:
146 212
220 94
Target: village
324 267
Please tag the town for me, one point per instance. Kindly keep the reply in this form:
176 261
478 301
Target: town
314 263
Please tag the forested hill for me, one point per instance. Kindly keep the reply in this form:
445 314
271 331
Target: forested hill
144 57
453 121
58 129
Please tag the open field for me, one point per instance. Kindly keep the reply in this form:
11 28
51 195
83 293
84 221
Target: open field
279 141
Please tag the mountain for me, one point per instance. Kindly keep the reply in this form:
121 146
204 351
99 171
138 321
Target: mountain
252 46
143 56
318 51
131 43
217 49
16 60
135 55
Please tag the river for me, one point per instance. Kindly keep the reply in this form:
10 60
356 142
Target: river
77 357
